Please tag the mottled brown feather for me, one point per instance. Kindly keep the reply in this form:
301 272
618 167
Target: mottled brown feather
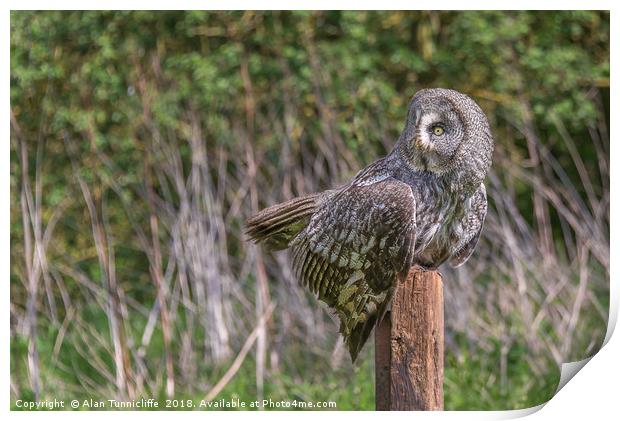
348 261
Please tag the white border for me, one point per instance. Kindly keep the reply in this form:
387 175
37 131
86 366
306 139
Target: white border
593 391
310 5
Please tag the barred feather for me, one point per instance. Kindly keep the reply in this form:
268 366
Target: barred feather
277 225
349 261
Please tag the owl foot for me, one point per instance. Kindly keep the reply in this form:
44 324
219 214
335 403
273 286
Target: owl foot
423 268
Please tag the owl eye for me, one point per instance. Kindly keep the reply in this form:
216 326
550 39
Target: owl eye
438 130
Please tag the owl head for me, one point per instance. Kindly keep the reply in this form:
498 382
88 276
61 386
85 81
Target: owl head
447 134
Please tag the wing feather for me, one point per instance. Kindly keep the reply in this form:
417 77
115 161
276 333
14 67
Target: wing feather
354 246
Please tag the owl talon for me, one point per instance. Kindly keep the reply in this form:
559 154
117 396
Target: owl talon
423 268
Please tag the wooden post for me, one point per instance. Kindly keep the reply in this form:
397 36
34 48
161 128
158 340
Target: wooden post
409 346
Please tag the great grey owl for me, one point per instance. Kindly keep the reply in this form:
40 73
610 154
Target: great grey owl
422 204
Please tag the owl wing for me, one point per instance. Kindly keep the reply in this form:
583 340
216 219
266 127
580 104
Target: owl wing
471 226
352 249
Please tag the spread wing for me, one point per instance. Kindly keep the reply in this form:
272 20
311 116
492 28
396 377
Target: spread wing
471 227
354 247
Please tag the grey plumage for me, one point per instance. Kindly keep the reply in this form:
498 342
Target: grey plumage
422 204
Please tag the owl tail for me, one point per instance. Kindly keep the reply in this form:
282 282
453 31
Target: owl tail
277 225
356 328
355 342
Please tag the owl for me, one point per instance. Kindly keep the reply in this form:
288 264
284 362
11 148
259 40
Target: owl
421 205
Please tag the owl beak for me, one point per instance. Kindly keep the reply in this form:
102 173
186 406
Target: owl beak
423 144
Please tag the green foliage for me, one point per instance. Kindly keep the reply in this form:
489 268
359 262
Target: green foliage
81 73
508 378
508 381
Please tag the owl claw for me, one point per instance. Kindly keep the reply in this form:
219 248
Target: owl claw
423 268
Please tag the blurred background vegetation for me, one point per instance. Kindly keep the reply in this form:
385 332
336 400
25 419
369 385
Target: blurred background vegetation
140 141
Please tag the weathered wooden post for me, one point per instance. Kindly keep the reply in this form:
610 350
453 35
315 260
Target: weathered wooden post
409 346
